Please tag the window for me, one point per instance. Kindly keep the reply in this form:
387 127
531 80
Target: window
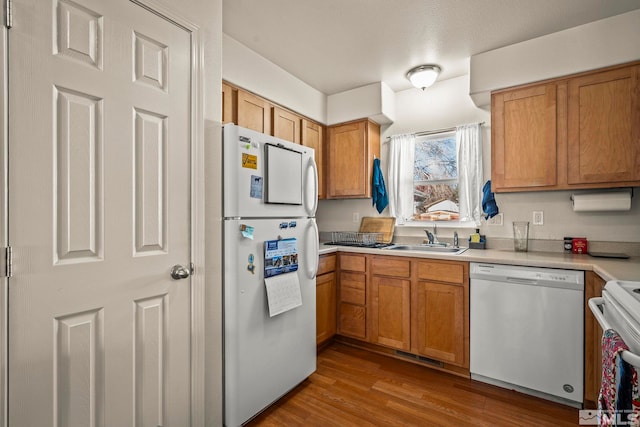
426 182
435 178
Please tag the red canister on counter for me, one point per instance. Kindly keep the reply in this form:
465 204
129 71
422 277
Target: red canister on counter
579 245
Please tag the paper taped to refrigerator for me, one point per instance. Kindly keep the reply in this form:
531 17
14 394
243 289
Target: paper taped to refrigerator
283 293
280 256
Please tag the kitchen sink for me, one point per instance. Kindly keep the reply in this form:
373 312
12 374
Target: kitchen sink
436 249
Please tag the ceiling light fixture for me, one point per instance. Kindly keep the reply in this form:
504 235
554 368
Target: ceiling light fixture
423 76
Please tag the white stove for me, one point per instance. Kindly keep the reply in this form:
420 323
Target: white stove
620 304
622 310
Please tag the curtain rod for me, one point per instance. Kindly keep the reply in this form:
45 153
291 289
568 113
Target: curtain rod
435 131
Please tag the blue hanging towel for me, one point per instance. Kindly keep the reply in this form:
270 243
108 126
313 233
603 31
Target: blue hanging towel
489 205
380 196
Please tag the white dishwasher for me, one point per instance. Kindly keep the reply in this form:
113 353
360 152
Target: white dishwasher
526 330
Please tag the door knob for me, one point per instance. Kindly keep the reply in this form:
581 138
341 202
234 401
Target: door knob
180 272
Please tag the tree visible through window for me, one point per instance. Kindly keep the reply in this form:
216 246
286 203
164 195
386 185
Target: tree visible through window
435 178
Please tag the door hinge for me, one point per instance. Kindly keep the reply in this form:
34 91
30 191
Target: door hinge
8 12
8 260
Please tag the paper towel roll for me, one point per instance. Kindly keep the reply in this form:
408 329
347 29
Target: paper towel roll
602 202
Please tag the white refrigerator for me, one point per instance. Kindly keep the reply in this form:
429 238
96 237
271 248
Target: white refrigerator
270 264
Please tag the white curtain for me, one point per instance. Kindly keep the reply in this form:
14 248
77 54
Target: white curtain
470 174
400 176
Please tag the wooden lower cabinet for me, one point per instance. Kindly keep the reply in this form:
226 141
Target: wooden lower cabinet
352 306
390 302
592 342
413 305
391 312
326 299
439 321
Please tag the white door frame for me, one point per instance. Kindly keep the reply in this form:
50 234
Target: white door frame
197 350
4 223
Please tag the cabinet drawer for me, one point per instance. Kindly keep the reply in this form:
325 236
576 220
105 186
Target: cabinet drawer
353 262
353 320
326 264
387 266
441 272
352 288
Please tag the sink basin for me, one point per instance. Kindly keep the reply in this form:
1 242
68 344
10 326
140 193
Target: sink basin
436 249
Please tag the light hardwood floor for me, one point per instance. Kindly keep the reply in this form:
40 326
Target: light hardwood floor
353 387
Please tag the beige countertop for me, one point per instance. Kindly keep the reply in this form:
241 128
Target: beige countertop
607 268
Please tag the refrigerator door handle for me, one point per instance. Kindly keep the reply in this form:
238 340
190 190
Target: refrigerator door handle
312 259
311 210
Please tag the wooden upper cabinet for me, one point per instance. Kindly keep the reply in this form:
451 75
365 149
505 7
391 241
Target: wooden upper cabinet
254 112
351 148
312 137
523 128
286 125
604 127
229 103
575 132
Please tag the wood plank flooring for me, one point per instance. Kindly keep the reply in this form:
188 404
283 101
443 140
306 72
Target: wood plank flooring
353 387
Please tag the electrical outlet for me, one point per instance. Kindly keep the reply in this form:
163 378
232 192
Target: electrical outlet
495 220
356 217
538 218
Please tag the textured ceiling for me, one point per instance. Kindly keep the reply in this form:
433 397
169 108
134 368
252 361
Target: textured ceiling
336 45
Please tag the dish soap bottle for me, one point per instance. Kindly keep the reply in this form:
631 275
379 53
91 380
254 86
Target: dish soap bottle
475 237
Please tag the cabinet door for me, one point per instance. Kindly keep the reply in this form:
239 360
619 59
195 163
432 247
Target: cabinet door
351 149
286 125
439 321
229 102
254 112
604 127
592 342
390 312
312 137
326 315
523 138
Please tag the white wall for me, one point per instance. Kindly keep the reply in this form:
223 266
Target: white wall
248 70
448 104
590 46
375 101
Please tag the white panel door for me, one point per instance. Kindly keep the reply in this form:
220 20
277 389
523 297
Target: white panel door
99 164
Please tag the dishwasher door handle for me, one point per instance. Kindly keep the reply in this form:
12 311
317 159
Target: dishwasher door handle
521 281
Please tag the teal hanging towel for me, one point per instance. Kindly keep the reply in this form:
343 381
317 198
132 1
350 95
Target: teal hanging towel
380 195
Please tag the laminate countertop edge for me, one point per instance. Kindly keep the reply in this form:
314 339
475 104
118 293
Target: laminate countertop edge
607 268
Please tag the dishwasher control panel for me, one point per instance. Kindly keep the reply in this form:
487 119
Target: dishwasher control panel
527 275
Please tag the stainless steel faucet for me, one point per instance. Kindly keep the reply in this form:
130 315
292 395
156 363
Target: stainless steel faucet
432 237
429 237
455 239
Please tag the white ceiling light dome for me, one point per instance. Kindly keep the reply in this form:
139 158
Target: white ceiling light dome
423 76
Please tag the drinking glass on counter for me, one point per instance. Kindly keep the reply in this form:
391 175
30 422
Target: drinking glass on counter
520 236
